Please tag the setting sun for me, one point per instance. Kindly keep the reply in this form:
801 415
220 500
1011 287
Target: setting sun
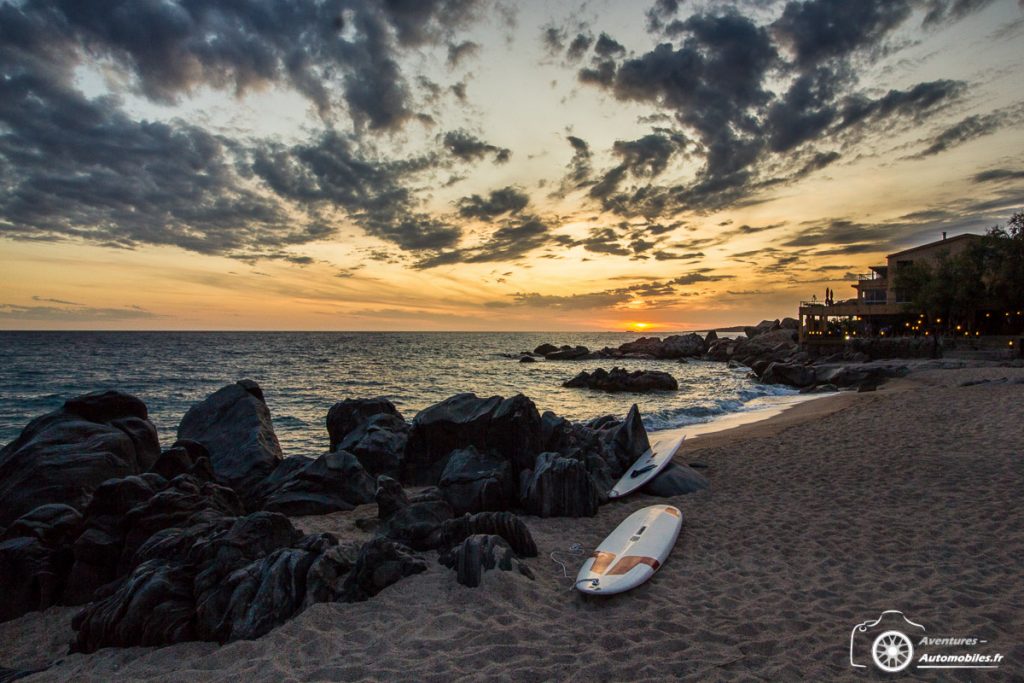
640 327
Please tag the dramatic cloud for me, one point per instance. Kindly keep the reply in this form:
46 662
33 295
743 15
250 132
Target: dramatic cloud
505 200
998 174
823 29
468 147
514 239
963 131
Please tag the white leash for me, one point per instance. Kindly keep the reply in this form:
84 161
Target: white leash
577 550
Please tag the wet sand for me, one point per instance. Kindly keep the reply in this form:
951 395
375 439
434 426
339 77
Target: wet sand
817 519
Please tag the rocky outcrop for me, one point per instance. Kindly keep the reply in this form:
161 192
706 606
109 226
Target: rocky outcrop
381 562
620 379
545 349
504 524
378 443
63 456
475 481
334 482
676 346
789 374
559 487
234 426
509 427
568 353
480 553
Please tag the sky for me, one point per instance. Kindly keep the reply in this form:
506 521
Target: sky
488 165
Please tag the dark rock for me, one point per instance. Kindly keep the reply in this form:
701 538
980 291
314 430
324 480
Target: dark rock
504 524
33 575
527 359
417 525
333 482
627 442
556 432
378 442
346 416
675 480
844 376
710 337
390 497
545 349
789 374
510 427
325 579
381 562
54 524
234 425
475 481
172 462
790 324
480 553
568 353
153 606
61 457
559 487
721 350
252 600
676 346
619 379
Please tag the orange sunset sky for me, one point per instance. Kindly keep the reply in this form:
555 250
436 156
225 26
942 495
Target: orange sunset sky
472 165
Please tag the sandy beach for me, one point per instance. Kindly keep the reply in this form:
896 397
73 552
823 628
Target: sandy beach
820 518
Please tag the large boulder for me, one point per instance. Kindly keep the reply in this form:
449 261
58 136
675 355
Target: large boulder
545 349
346 416
776 345
559 487
475 481
480 553
61 457
625 442
234 426
511 427
333 482
620 379
675 480
378 442
418 524
790 374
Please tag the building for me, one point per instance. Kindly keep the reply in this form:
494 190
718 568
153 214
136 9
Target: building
878 305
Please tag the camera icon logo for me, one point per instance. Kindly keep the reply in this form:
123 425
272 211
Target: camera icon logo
891 649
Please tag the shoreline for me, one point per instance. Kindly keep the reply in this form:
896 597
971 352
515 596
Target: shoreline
819 517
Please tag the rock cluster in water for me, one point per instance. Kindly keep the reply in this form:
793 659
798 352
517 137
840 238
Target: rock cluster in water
194 542
769 349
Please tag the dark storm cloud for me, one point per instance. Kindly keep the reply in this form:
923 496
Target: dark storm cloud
819 30
468 147
714 79
172 48
606 46
553 38
997 174
645 158
514 239
579 166
504 200
81 168
78 167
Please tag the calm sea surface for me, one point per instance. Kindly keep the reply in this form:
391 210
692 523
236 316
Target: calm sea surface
303 373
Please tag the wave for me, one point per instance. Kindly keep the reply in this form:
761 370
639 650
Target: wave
673 418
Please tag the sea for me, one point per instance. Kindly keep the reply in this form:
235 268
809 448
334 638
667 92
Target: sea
303 374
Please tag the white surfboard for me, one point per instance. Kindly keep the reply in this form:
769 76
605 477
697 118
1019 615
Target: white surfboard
632 553
647 466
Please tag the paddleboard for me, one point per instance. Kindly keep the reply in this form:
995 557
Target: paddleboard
647 466
632 553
